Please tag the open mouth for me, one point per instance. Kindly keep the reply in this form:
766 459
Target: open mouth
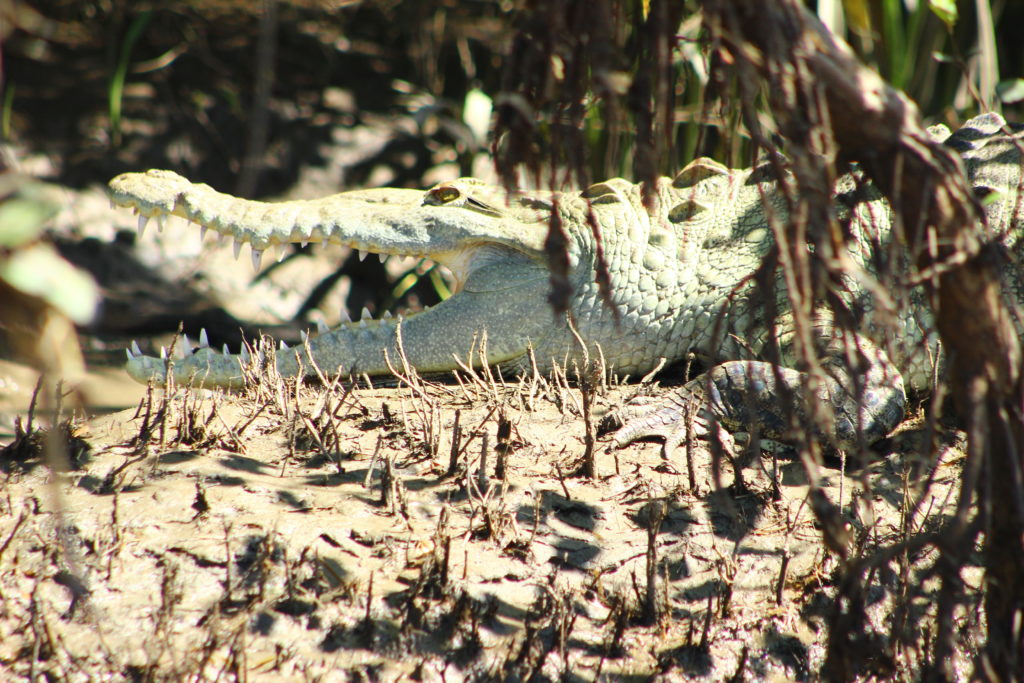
416 283
408 271
485 279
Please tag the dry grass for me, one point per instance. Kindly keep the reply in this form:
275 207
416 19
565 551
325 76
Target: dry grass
435 530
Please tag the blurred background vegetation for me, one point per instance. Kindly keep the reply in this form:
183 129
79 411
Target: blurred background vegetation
242 93
308 97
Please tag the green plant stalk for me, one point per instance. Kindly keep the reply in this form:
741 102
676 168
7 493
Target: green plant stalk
115 94
8 107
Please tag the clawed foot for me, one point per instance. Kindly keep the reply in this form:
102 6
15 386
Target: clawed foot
673 417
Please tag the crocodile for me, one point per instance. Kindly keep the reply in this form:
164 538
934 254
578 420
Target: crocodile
681 278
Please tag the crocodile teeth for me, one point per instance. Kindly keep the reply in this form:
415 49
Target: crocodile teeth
305 336
238 249
184 346
321 327
202 232
244 353
225 350
204 340
345 317
282 251
163 353
304 243
365 314
161 221
129 352
283 346
143 221
257 258
135 348
362 254
382 257
387 315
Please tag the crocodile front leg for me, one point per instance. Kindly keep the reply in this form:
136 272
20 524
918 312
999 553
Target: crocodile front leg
859 407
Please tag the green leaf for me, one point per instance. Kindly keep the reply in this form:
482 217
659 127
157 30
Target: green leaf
944 10
1010 90
476 112
39 270
993 197
21 221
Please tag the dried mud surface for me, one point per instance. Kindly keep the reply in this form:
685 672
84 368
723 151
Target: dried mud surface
324 534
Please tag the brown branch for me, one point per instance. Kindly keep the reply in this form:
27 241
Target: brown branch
780 42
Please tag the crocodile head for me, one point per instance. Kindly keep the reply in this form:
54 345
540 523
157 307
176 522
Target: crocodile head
491 242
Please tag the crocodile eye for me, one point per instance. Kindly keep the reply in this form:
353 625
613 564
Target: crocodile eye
445 194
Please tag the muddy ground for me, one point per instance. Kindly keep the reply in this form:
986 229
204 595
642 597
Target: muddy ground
443 531
329 533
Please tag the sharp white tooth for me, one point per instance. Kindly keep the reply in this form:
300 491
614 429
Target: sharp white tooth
185 346
129 352
135 348
382 257
387 315
282 251
225 350
257 258
345 317
363 325
163 353
283 346
238 249
204 340
202 232
304 243
321 327
365 314
362 254
305 336
143 221
161 221
244 353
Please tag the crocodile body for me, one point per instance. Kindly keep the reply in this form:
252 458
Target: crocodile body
680 276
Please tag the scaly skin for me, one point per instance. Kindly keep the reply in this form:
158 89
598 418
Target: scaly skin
494 250
673 272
